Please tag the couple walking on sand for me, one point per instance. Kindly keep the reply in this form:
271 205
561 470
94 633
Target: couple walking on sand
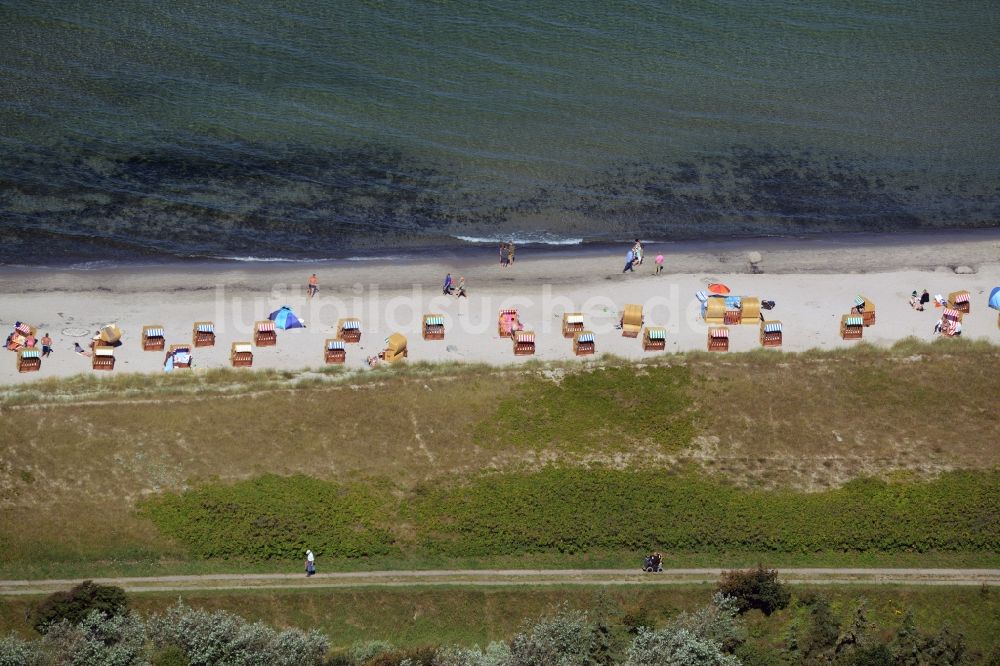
449 288
506 254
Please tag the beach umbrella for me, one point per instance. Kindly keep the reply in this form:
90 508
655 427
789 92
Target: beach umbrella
284 318
110 333
718 288
995 298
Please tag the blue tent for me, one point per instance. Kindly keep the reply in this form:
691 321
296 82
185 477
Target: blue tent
995 298
284 318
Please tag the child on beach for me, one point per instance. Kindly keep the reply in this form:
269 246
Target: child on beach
659 264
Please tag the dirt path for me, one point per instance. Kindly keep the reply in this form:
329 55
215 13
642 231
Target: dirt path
503 578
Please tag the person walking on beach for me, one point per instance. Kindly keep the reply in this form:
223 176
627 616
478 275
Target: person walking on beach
659 264
504 255
629 260
637 252
313 285
510 253
460 292
46 345
446 288
310 563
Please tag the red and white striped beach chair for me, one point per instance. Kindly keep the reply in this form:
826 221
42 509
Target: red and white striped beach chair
718 339
264 334
524 343
959 300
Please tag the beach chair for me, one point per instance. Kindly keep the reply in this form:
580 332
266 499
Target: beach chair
395 348
29 360
334 351
103 358
572 323
152 338
959 300
203 334
718 339
264 334
951 315
749 310
732 317
654 338
865 308
241 355
524 343
715 310
433 327
770 333
508 321
852 326
632 321
583 343
349 330
181 354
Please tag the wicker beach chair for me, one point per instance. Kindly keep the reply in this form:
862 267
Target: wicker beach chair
433 327
583 343
852 326
349 329
334 351
152 338
631 320
265 334
181 354
395 348
507 321
524 343
29 360
770 333
715 310
959 300
203 334
654 338
749 310
103 358
572 323
865 308
718 339
241 355
732 317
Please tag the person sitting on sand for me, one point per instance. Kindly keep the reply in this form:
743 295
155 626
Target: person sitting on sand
80 350
915 302
925 298
939 326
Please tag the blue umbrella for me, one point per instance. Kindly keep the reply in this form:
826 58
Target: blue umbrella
995 298
284 318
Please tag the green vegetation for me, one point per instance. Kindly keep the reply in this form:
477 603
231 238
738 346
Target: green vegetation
75 604
274 516
615 408
578 510
757 589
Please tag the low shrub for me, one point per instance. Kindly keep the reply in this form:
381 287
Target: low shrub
77 603
755 588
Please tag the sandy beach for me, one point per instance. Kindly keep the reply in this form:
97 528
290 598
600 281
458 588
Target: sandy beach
812 283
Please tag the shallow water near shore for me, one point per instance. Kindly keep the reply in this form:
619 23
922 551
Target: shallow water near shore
303 130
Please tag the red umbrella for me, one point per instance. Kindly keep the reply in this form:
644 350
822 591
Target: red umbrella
718 288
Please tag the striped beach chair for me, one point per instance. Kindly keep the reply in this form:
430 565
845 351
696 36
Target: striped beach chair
718 339
654 338
203 334
433 327
29 360
507 321
152 338
349 330
951 315
334 351
524 343
241 355
865 308
959 300
181 354
583 343
103 358
852 326
572 323
732 317
770 333
265 334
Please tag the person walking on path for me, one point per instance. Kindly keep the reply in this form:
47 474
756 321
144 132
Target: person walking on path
659 264
46 345
310 563
629 260
313 285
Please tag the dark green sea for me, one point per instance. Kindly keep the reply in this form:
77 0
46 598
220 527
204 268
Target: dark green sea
136 130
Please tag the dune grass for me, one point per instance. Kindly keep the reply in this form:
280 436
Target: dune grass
79 454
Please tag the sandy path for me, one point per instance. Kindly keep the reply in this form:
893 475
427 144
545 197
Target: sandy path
504 578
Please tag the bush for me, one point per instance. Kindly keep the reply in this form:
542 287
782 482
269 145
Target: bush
418 656
495 654
77 603
563 639
676 647
170 656
755 588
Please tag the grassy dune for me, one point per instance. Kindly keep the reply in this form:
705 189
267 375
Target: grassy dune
81 454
